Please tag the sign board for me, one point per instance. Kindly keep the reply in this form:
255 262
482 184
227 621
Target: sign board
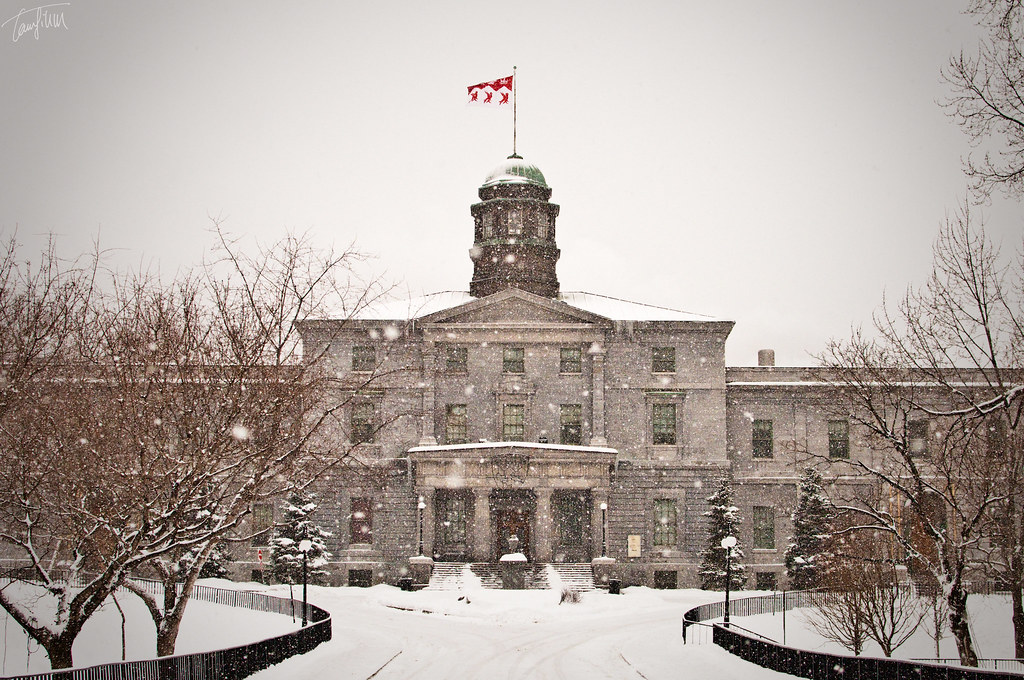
259 555
633 545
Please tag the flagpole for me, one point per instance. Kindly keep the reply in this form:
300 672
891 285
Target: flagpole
514 154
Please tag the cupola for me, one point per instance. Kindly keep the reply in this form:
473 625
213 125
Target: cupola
514 232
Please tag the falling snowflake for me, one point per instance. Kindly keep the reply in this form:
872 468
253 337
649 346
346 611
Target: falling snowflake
240 432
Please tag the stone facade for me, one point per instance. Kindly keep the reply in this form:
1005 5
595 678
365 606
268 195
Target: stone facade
585 425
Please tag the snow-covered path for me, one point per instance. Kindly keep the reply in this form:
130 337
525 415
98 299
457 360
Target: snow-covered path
510 634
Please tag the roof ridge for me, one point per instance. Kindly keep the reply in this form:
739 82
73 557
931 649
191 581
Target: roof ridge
634 302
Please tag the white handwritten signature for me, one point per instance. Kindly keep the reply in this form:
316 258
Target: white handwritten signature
29 21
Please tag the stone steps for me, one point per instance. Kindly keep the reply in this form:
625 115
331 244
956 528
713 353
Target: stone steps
458 575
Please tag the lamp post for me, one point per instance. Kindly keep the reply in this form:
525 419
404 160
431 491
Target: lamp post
422 506
728 543
604 530
304 545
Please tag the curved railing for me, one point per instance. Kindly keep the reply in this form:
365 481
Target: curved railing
808 664
233 663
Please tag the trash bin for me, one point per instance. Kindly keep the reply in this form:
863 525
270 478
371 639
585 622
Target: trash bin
405 583
614 586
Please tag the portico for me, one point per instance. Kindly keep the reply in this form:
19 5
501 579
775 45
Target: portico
478 495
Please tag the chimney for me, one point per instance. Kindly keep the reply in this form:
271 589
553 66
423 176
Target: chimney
765 357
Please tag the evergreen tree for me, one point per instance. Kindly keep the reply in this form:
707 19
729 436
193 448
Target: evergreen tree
811 530
296 526
216 565
724 520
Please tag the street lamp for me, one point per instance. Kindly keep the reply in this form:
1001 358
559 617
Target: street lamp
604 530
422 506
728 543
304 546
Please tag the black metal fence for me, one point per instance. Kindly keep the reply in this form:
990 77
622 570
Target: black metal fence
233 663
752 606
1012 665
818 665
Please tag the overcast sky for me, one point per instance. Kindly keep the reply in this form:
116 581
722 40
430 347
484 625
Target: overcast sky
779 164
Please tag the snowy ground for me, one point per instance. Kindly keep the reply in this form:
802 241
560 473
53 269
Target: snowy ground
989 622
382 632
385 633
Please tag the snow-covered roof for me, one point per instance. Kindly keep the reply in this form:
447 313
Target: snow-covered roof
602 305
449 448
414 307
515 170
626 310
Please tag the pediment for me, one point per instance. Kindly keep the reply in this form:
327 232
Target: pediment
514 307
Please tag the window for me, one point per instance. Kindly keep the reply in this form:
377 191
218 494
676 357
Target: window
513 422
487 222
762 442
512 360
663 359
664 523
364 358
457 359
571 360
453 516
360 578
766 580
542 225
515 224
666 580
571 424
361 427
917 437
838 439
262 523
456 424
361 521
664 423
764 527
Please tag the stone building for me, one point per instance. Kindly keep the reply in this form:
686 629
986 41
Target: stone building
583 425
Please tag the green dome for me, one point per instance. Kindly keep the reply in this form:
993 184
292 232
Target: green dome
515 171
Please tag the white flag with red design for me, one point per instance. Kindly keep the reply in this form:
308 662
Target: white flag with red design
496 94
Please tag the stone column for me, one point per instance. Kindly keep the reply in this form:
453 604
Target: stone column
598 437
429 378
544 527
481 547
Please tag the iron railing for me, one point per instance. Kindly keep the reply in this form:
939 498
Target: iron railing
821 666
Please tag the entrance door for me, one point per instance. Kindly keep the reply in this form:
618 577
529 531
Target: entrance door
512 515
571 510
453 513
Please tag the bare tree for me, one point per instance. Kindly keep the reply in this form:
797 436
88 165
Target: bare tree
946 361
838 615
140 425
227 395
67 525
987 98
863 598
